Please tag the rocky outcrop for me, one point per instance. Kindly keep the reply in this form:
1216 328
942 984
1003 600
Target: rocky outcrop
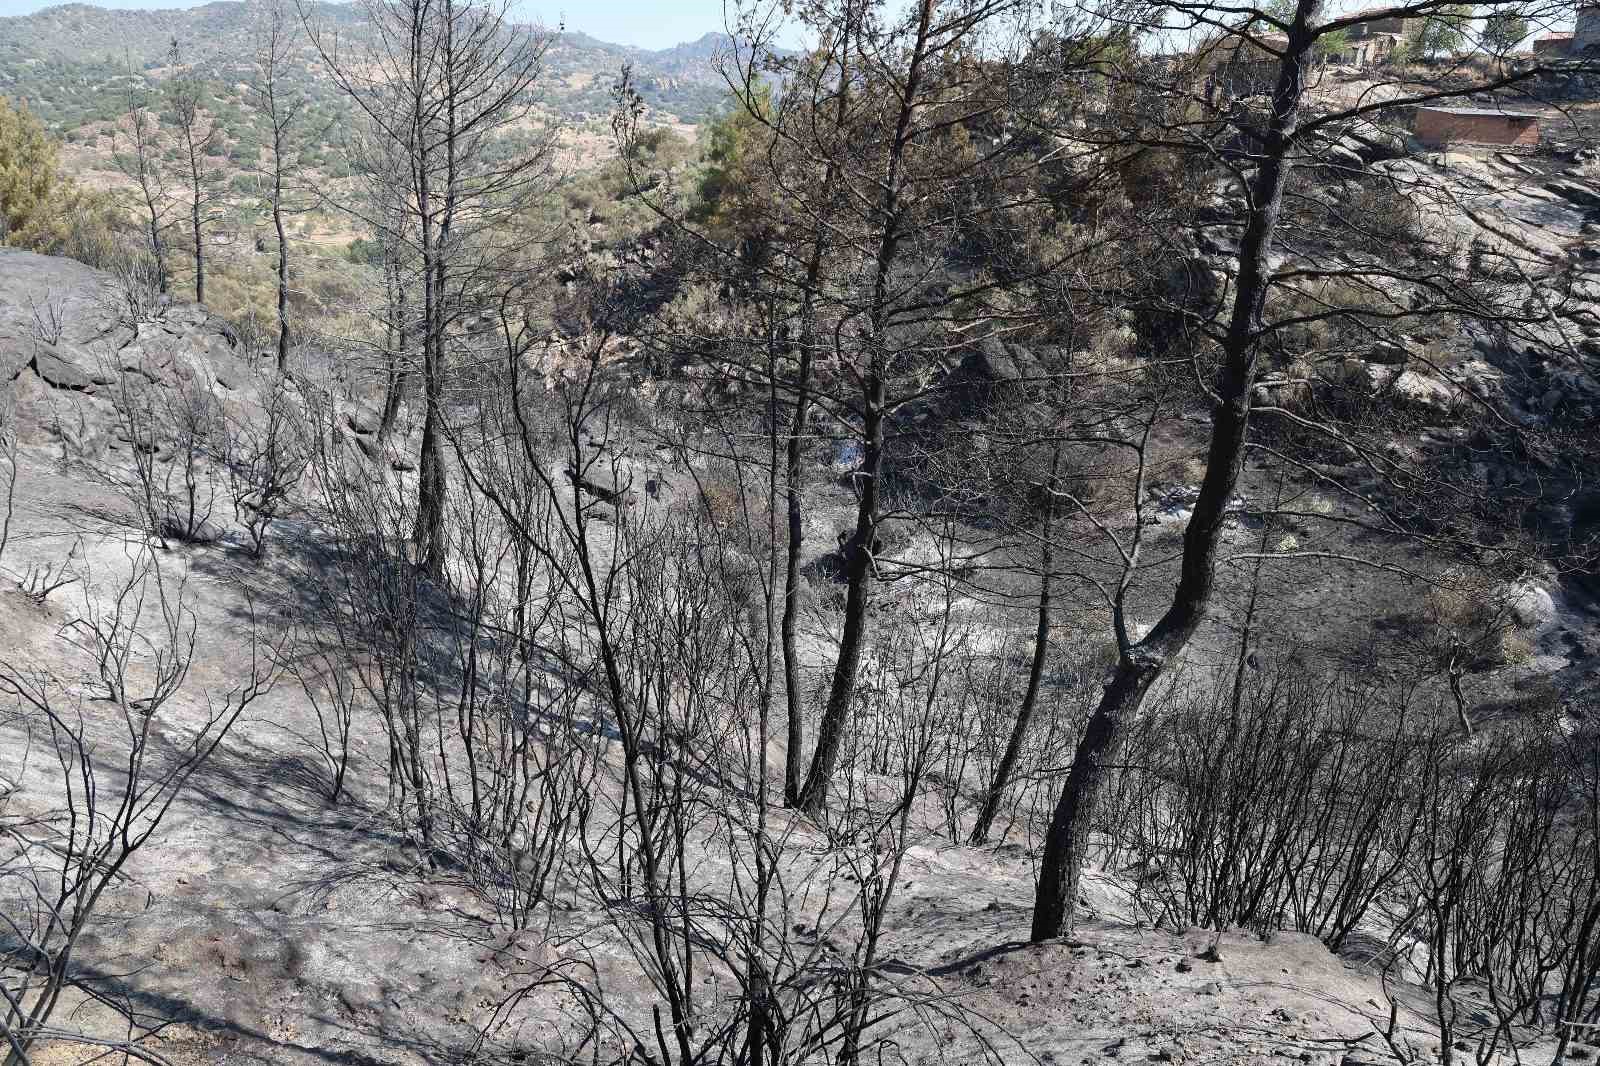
72 352
59 372
1578 192
990 372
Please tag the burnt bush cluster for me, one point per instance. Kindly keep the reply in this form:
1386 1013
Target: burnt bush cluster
1277 800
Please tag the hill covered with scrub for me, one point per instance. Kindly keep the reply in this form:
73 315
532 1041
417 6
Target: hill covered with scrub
1015 549
70 63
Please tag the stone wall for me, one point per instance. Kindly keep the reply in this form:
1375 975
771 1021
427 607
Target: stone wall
1439 129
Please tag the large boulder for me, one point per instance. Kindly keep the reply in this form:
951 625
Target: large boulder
1376 143
1531 606
60 372
993 362
1424 391
601 482
71 353
65 421
1388 353
991 371
1343 155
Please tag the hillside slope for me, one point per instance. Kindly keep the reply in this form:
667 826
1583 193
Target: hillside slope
265 924
270 925
67 62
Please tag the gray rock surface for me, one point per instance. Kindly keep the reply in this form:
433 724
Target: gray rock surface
71 355
1532 606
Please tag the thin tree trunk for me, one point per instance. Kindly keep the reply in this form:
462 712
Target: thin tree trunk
1041 653
154 215
183 96
858 551
429 532
431 481
858 577
199 246
392 400
142 169
155 245
393 396
283 251
793 474
396 338
272 49
1140 664
791 574
1455 670
759 1031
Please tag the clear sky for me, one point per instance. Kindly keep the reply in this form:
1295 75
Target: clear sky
644 23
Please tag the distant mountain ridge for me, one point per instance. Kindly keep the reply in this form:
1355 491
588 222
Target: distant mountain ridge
66 61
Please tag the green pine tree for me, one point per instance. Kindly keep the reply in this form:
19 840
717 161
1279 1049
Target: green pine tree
33 191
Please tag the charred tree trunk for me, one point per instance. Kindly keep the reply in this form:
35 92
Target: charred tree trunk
859 564
791 576
281 108
142 169
1141 663
155 243
438 83
429 532
398 337
1041 653
283 251
199 244
859 568
431 482
793 472
184 97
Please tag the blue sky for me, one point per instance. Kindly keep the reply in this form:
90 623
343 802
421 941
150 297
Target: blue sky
644 23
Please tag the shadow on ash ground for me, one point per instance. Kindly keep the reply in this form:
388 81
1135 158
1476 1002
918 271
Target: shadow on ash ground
271 927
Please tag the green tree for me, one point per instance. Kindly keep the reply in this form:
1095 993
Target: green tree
730 188
34 194
1444 30
1503 30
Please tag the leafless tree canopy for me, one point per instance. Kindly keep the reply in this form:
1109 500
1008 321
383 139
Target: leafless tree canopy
1098 434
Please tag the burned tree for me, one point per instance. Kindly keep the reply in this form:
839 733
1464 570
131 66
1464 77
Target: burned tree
280 103
199 138
1279 281
883 157
439 87
141 162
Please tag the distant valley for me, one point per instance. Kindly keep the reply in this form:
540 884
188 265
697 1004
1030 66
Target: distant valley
70 63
